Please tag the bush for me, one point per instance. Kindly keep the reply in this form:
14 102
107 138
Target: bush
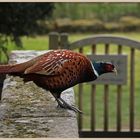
82 25
129 23
112 27
95 25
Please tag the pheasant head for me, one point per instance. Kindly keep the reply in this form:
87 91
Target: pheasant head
103 67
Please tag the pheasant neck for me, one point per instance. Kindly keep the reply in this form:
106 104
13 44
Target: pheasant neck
95 71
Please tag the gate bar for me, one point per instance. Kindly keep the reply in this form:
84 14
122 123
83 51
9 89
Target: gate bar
132 85
93 96
106 96
119 98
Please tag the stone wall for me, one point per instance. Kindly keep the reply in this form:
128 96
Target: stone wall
28 111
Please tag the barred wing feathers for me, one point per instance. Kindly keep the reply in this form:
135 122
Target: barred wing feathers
48 65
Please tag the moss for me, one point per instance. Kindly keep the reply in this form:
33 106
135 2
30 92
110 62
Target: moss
7 121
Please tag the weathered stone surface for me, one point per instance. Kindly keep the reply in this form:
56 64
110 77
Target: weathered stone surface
28 111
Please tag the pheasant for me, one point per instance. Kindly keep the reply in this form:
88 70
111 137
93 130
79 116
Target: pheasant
58 70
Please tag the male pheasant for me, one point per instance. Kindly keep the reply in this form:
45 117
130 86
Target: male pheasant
58 70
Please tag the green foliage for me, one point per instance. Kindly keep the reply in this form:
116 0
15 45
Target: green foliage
3 49
130 23
94 17
125 23
103 11
19 19
130 20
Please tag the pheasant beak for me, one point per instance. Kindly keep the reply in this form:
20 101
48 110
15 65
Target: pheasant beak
115 71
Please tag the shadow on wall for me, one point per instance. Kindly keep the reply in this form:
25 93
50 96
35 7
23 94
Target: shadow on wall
2 77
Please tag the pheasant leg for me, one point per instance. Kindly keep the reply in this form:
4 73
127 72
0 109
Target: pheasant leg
65 105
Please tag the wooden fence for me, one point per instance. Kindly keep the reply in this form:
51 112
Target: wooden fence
93 44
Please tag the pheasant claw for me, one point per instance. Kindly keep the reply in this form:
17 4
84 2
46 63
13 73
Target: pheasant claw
65 105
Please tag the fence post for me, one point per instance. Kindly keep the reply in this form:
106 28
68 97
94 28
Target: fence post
53 40
64 41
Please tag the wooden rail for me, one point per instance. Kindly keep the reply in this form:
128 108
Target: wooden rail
106 39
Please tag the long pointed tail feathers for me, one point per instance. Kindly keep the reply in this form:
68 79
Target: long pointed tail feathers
15 68
10 68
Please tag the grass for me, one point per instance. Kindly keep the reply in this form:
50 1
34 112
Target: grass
32 43
41 43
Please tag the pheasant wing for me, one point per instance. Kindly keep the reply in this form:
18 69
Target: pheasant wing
48 66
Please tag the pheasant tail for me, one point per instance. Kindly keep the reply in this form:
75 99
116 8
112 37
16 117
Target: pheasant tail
10 68
15 68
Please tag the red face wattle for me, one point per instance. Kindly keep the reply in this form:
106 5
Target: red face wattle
109 67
